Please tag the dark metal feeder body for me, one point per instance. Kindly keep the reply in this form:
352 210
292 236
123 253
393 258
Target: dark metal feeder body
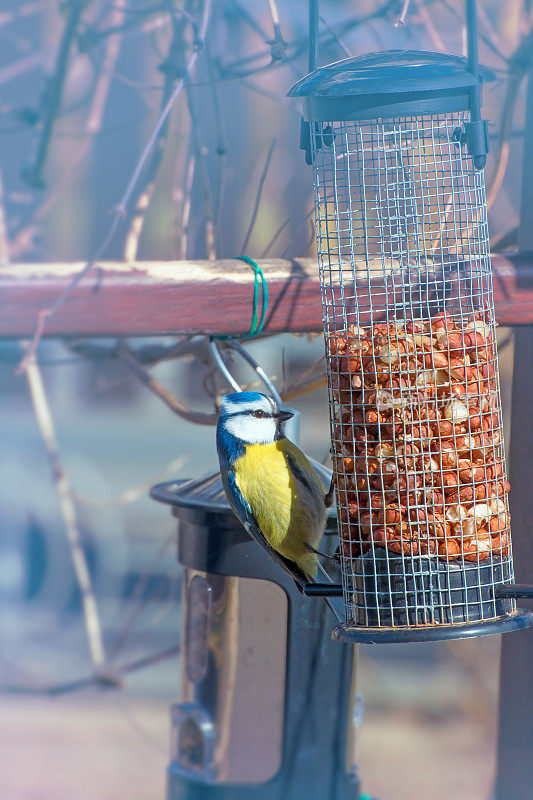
265 709
397 144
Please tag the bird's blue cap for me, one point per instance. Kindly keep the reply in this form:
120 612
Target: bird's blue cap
229 402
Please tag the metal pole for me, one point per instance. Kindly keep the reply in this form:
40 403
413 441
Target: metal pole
514 780
477 130
471 33
313 34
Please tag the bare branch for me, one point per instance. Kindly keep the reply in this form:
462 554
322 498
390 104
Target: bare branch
183 227
106 680
135 492
425 16
174 68
4 241
260 185
346 50
401 19
24 237
502 152
120 210
519 64
23 10
222 147
204 178
54 91
170 399
136 606
68 512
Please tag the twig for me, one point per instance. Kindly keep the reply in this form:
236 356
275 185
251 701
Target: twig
249 19
131 243
153 353
23 11
502 153
222 147
174 68
300 45
93 123
307 381
425 16
401 19
503 241
460 16
278 45
346 50
68 512
300 225
4 240
276 235
105 680
119 211
170 399
22 66
204 177
54 91
133 494
491 32
134 600
183 227
259 192
519 64
262 92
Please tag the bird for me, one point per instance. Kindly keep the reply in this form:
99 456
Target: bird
269 482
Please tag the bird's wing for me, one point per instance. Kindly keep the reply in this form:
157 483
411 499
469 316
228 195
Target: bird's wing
242 509
306 476
301 468
305 473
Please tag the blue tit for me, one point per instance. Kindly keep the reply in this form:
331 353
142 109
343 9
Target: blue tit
269 482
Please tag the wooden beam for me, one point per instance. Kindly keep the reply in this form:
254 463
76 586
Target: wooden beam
157 297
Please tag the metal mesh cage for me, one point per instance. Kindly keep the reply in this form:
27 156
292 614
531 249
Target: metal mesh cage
415 410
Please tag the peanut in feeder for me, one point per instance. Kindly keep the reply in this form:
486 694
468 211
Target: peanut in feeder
397 146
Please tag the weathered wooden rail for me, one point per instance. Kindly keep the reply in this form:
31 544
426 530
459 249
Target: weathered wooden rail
159 297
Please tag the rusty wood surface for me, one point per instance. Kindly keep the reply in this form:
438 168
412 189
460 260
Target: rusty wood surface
156 298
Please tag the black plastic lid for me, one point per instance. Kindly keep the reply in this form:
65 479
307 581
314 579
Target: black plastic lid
394 82
205 496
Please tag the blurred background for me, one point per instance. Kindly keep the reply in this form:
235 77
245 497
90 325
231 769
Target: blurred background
82 83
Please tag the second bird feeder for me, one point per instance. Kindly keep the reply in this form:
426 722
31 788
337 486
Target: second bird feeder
397 146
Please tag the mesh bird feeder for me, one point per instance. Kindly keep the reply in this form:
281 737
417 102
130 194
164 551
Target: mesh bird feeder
397 146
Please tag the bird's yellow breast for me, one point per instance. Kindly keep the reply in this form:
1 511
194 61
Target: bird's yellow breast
286 515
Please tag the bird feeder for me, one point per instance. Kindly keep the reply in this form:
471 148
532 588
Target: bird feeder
254 652
397 146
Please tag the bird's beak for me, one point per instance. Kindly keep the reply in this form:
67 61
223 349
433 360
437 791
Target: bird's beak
282 415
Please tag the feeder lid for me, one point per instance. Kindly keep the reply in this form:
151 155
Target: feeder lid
206 494
389 72
393 82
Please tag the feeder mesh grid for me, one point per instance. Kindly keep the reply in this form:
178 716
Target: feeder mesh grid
417 443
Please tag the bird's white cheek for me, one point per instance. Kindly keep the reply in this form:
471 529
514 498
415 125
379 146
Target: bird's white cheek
252 430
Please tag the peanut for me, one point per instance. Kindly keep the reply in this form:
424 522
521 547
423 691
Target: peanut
417 437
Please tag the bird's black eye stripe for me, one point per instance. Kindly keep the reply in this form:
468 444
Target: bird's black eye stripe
259 414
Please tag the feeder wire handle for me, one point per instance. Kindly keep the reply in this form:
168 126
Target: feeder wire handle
247 357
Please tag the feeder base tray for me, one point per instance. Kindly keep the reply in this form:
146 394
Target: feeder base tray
432 633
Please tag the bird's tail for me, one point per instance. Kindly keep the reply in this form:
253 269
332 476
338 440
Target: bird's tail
336 604
308 563
333 557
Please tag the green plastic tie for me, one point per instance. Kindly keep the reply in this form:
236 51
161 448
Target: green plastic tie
255 329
